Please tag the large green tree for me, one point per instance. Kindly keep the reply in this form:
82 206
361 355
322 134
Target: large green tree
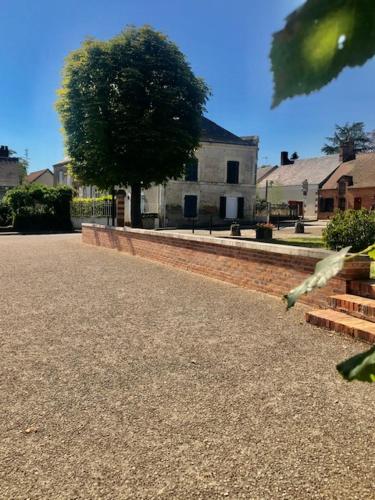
345 133
131 111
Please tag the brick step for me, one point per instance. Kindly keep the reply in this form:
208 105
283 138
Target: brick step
343 323
354 305
364 288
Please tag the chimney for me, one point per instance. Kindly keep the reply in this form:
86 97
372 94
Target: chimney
347 151
4 152
284 159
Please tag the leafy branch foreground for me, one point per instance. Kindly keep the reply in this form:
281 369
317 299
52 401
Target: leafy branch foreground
362 366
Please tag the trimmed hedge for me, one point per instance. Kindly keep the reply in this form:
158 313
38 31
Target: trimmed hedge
38 208
5 215
355 228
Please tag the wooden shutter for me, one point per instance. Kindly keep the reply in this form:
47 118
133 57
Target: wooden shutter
192 170
223 206
240 208
232 172
190 206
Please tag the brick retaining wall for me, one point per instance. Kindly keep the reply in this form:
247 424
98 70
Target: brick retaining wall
273 269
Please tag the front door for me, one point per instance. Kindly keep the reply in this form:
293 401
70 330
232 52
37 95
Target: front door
231 208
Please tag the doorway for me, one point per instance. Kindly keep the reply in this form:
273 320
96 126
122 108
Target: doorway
231 208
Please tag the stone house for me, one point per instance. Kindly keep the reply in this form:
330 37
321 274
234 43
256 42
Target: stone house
284 185
44 176
219 186
11 171
352 186
61 175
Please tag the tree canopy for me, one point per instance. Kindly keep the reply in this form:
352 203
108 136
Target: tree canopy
319 40
131 111
346 133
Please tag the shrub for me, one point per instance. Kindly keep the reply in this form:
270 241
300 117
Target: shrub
5 215
355 228
36 207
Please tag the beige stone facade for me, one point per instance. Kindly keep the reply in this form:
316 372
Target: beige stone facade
209 189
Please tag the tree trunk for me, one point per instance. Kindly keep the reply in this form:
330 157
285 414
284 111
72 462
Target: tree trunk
136 218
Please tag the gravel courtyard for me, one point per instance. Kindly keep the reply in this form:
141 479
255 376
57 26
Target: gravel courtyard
124 379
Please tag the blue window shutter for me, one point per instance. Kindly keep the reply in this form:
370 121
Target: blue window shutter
223 206
190 205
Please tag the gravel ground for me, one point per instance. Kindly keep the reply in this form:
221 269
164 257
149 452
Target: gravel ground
121 378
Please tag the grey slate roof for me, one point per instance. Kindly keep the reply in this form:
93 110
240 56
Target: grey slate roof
263 172
212 132
315 170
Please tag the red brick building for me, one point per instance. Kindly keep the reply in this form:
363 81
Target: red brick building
352 185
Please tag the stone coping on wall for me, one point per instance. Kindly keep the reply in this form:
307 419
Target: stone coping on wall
314 253
266 267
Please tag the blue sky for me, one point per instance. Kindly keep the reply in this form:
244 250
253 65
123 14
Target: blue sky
227 43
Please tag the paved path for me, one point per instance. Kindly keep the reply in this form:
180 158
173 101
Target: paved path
123 379
313 229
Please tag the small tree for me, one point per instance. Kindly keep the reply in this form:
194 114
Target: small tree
346 133
131 111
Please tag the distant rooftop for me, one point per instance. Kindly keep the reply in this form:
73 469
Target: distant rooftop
264 171
361 169
33 176
315 170
212 132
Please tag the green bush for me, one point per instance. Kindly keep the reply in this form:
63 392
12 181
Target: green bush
36 207
5 215
355 228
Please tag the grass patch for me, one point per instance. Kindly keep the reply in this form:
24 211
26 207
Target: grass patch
315 242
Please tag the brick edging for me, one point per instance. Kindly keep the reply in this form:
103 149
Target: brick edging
257 266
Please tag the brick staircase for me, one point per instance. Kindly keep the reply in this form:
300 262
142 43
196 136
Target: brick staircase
352 313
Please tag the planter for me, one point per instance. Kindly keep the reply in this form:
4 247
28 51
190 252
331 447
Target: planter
150 221
299 227
263 233
235 230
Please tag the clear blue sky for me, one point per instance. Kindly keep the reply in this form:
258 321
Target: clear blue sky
226 42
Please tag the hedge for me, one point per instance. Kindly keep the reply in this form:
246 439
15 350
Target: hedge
36 207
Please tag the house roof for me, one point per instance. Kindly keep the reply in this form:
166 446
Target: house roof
33 176
361 169
263 172
315 170
212 132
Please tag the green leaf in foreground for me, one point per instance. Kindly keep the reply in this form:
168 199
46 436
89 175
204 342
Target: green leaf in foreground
324 270
371 254
318 41
360 367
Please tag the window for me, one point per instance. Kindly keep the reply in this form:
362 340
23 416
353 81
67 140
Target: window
342 187
61 177
191 170
232 172
357 203
342 203
326 204
190 205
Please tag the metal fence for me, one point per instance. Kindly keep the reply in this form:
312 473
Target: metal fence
91 209
282 211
